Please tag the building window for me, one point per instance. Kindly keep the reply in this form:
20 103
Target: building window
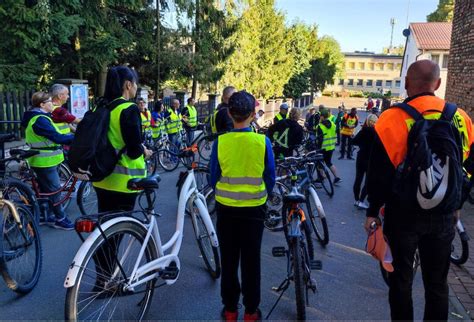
378 82
445 60
379 66
390 66
369 83
351 65
350 82
370 66
397 84
388 83
360 66
435 58
360 82
399 66
341 82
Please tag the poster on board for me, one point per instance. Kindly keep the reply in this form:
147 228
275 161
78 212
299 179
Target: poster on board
79 100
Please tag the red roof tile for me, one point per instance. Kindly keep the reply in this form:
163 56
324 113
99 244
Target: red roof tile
432 35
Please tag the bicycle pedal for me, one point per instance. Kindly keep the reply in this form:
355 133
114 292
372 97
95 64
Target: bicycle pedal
170 273
279 251
316 265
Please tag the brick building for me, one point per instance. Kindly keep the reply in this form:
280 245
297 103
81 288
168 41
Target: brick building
460 84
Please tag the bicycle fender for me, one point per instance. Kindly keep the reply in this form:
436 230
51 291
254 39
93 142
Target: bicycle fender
82 252
207 219
319 205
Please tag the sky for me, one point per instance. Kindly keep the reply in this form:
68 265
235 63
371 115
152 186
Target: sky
359 24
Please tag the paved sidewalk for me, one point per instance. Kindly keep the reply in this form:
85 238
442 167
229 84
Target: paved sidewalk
461 278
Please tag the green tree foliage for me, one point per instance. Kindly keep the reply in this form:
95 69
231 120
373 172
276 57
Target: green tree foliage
443 13
322 71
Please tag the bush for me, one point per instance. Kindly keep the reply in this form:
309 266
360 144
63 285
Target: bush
356 94
373 95
327 93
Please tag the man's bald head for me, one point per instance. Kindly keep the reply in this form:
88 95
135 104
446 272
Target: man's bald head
227 93
422 76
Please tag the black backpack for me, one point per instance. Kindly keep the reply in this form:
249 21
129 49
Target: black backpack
430 179
91 155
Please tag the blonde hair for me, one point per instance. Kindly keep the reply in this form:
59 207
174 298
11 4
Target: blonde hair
371 120
295 113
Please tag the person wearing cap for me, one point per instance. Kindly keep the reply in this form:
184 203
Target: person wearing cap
327 141
282 114
286 134
242 172
348 124
220 121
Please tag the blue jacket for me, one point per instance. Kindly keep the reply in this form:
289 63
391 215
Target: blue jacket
268 172
43 127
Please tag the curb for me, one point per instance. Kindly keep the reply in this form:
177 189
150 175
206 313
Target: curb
458 307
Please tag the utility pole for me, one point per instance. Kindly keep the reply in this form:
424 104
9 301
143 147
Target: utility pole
196 47
392 22
158 50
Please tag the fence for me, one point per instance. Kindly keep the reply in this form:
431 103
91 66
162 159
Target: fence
12 106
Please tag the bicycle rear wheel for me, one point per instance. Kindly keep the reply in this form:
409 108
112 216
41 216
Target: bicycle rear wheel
64 175
205 147
20 250
325 179
318 221
20 193
87 198
210 253
99 293
168 161
298 276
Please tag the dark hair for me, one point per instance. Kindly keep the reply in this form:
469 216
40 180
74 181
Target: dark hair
38 98
158 106
190 99
116 78
241 105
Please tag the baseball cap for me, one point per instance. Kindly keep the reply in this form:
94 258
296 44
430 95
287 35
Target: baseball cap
241 103
284 106
378 247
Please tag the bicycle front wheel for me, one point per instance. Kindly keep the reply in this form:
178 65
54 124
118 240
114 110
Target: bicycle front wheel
318 220
100 291
20 250
168 161
65 174
87 198
210 253
20 193
205 148
297 258
325 179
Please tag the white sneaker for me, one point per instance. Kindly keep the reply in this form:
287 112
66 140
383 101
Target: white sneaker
363 205
356 203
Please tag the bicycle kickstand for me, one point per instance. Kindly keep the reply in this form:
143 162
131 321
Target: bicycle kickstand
281 288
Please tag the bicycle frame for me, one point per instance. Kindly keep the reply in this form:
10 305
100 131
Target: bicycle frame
44 195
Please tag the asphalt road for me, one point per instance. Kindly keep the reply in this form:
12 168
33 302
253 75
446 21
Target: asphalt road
349 285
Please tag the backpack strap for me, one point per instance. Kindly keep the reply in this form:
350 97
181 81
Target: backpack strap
410 110
449 111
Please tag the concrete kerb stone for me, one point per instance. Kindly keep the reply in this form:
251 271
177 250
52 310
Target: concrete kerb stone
457 305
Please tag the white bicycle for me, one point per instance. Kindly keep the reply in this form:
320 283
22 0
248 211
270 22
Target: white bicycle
115 271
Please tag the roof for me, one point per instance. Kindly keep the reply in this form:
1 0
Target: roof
371 55
432 35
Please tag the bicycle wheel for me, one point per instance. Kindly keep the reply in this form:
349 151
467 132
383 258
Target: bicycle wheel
273 219
20 193
459 248
318 221
64 175
205 147
20 250
87 198
167 160
210 253
298 277
99 292
151 164
325 179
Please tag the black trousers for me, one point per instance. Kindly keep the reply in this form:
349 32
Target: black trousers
346 145
361 170
240 231
338 135
432 235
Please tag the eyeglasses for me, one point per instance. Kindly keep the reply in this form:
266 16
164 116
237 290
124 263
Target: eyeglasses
47 101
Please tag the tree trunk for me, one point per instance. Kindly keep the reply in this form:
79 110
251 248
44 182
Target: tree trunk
196 48
102 77
158 50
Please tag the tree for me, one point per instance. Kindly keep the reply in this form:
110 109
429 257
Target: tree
322 71
443 13
397 50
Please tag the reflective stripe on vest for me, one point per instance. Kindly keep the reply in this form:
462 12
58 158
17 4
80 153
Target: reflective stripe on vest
126 168
146 119
329 137
241 157
192 118
280 117
351 122
213 122
50 153
174 123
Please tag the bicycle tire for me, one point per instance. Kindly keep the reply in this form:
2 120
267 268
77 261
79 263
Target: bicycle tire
273 214
298 277
87 199
318 223
203 183
21 193
151 164
64 175
14 255
168 161
205 148
460 241
122 311
325 180
210 253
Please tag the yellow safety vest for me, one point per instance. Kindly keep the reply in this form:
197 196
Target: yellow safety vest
351 122
126 168
50 153
146 119
329 136
173 125
63 127
280 117
241 158
192 118
213 122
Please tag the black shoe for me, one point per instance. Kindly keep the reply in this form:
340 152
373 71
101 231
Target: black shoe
350 158
337 180
341 157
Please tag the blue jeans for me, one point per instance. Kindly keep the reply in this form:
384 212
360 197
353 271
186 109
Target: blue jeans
48 181
190 135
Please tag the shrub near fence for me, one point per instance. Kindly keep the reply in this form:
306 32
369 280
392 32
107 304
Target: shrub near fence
12 106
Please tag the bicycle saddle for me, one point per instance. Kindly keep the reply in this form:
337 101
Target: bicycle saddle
6 137
144 183
23 154
294 198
